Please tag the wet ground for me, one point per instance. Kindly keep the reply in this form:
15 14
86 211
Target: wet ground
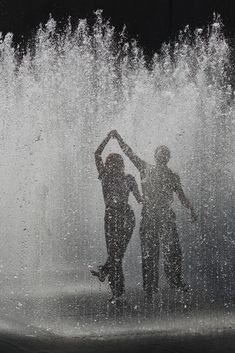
159 343
71 318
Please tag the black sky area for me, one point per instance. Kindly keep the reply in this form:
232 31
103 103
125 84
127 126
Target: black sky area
150 22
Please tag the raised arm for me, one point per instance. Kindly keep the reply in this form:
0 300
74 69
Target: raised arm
136 193
138 162
183 199
98 159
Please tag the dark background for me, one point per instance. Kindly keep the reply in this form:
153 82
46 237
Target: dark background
150 22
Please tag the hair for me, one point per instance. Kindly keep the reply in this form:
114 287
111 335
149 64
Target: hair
114 163
162 153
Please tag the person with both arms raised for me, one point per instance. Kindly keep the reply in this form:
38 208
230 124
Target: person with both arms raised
119 220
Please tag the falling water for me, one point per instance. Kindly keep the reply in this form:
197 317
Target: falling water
57 104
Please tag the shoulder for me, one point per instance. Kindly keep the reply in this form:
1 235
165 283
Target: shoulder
174 178
130 179
146 169
102 174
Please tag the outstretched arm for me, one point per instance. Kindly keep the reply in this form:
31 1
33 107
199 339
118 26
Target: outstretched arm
98 159
138 162
183 199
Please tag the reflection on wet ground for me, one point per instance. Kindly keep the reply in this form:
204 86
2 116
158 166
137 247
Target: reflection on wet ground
69 315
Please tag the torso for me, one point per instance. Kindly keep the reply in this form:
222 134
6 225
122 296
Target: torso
116 190
158 185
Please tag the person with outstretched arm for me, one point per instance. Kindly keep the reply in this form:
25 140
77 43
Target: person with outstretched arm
158 220
119 218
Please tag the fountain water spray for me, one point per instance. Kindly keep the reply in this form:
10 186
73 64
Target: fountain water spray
58 102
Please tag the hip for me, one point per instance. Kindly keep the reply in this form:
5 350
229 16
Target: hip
123 211
158 214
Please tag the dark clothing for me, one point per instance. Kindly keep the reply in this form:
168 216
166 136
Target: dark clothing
153 232
119 225
158 226
158 185
117 188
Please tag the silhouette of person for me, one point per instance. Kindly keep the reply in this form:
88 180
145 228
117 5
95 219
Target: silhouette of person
158 220
119 218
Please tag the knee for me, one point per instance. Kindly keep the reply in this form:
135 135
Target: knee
118 262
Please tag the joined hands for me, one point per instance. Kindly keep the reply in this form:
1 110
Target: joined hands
113 134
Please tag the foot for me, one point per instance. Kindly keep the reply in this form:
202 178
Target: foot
183 287
99 274
149 298
117 299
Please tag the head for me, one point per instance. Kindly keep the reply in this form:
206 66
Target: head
162 155
114 164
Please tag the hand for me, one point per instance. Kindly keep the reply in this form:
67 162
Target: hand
194 216
110 134
113 133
